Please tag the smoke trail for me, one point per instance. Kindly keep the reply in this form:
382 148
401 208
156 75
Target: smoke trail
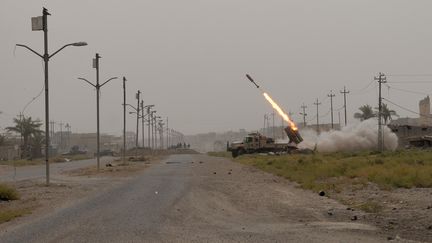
280 111
360 136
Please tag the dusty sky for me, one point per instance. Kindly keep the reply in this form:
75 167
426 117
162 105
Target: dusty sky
189 58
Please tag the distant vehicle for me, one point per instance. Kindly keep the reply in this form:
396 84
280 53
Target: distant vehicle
106 152
75 150
257 143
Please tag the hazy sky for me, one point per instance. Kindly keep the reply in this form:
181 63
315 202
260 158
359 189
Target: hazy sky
190 57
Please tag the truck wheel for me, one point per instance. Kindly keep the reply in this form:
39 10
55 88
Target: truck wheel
234 153
240 152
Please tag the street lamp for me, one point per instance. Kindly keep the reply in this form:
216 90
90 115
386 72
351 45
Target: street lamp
137 120
155 129
143 120
97 86
41 23
150 124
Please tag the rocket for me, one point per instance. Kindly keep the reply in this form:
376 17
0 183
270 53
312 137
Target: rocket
251 79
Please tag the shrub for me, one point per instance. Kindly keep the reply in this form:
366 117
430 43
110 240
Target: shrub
8 193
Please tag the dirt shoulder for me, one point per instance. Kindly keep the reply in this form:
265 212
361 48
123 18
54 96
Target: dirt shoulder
383 190
405 213
232 202
37 199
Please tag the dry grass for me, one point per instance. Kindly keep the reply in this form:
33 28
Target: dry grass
8 193
8 215
399 169
220 154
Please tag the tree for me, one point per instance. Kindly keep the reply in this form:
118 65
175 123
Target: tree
386 113
36 143
366 113
2 140
29 130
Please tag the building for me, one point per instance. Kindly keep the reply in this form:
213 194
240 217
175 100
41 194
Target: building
408 129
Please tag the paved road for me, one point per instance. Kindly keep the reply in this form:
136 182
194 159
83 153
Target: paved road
195 198
38 171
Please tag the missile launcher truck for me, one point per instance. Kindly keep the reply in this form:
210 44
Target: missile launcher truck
257 143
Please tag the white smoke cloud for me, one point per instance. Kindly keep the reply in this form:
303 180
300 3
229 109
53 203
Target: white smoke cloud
355 137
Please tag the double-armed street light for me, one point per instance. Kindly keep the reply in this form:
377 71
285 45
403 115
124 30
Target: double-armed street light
97 86
41 23
149 114
143 120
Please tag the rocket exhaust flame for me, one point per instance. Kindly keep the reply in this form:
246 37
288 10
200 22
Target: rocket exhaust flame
280 111
292 130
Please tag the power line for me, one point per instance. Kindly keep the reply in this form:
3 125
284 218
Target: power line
33 99
406 90
409 75
410 82
404 108
373 88
364 88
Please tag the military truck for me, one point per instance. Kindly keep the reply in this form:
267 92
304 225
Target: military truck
257 143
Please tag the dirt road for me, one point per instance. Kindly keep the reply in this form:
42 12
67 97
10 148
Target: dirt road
196 198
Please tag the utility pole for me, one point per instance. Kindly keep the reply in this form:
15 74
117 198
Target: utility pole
46 60
273 128
68 131
148 123
137 111
331 95
124 121
167 134
317 115
264 129
345 92
97 87
142 122
41 23
61 135
152 130
339 120
282 128
381 78
304 114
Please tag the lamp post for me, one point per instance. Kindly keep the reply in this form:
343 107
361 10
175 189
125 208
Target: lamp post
149 114
97 87
155 129
152 130
41 23
143 120
137 119
124 121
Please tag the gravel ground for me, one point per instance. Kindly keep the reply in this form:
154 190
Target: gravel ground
405 213
196 198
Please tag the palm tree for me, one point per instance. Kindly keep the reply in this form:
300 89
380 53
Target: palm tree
37 140
386 113
28 129
366 113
